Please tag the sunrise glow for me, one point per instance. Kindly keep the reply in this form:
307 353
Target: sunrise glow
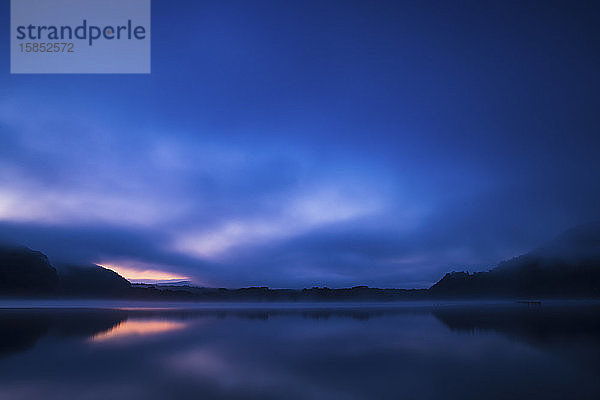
142 275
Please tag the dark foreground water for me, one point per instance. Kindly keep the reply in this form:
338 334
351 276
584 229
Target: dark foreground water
509 351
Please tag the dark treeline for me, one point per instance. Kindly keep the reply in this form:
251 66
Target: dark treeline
357 293
28 273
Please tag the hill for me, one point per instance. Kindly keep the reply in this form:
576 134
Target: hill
566 267
91 280
25 271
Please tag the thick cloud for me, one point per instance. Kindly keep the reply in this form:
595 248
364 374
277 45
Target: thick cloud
381 146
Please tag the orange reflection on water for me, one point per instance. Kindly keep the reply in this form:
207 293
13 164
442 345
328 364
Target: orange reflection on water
138 327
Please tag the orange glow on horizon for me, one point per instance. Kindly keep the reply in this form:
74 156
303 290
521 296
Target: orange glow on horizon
130 328
135 274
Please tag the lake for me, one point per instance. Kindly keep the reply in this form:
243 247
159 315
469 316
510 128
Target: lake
314 351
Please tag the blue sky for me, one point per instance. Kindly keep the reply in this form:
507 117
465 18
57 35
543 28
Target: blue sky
304 143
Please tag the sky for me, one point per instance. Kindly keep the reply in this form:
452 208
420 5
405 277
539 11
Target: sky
312 143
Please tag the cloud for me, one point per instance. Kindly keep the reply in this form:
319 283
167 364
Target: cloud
296 216
167 202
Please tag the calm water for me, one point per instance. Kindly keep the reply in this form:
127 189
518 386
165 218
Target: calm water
510 351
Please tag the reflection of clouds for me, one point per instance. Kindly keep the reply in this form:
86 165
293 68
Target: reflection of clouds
235 374
138 327
384 353
91 390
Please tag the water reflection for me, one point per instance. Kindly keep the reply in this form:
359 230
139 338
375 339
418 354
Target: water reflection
132 327
425 352
569 332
